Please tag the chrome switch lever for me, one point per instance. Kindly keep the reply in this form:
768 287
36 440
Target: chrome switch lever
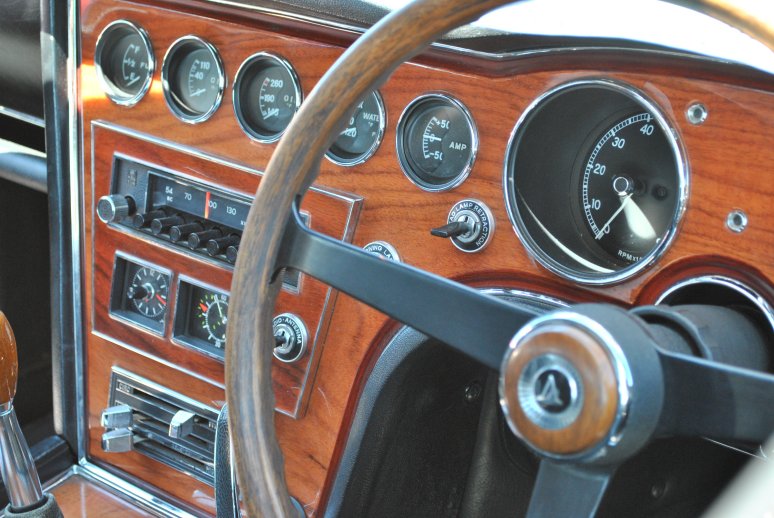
118 416
181 425
16 466
120 440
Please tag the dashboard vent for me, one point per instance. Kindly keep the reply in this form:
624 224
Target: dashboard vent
191 447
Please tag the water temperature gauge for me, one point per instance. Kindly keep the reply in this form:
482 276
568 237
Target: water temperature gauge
360 139
267 95
202 318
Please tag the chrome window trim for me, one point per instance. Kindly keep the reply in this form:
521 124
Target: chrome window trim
683 172
21 116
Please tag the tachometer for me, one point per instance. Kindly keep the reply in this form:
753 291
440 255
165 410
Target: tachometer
437 142
193 79
595 181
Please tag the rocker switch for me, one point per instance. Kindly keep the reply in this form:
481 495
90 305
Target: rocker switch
181 425
119 416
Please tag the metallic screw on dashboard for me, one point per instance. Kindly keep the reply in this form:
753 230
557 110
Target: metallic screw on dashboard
736 221
696 114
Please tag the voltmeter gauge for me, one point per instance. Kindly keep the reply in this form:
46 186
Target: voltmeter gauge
193 79
124 62
360 139
437 142
267 95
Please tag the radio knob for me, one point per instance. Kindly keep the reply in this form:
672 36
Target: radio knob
180 232
231 253
114 207
143 220
199 239
160 225
216 246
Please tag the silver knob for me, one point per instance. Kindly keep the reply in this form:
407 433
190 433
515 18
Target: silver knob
119 416
291 337
181 425
114 207
120 440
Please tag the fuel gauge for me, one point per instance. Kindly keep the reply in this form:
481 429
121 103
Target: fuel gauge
124 62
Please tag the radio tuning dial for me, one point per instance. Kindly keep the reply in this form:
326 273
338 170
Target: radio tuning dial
114 207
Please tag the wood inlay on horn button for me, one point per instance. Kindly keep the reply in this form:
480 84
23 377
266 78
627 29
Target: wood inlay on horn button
596 377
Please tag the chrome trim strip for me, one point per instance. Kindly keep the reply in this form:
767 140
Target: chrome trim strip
401 128
727 282
24 166
350 162
114 93
681 163
130 492
24 117
178 111
243 68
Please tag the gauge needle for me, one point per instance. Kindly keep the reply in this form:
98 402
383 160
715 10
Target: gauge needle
638 221
160 299
130 83
624 201
198 92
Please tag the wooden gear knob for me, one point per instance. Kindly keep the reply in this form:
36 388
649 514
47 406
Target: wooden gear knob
9 365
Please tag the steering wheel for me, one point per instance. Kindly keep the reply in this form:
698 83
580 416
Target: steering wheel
632 390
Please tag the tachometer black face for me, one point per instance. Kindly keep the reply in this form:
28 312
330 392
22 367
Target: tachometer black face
628 189
360 139
193 79
595 181
437 142
267 95
124 62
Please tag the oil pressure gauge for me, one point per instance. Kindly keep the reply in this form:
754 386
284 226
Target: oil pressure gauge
437 142
193 79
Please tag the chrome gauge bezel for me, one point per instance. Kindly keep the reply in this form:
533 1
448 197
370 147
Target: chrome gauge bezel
169 59
114 93
681 165
239 77
349 162
401 128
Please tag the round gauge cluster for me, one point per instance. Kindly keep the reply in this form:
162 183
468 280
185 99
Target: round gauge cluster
124 62
595 181
267 95
193 79
436 142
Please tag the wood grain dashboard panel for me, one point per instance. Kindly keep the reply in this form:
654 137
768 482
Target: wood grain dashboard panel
729 158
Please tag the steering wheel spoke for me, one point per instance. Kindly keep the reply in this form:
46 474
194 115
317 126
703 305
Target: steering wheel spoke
564 490
476 324
715 400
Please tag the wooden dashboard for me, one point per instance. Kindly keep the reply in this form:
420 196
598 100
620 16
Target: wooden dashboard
729 157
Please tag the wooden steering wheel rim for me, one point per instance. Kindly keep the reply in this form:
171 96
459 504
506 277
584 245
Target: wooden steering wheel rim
292 169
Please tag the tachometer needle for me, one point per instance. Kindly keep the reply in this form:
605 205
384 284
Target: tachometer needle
638 221
624 201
